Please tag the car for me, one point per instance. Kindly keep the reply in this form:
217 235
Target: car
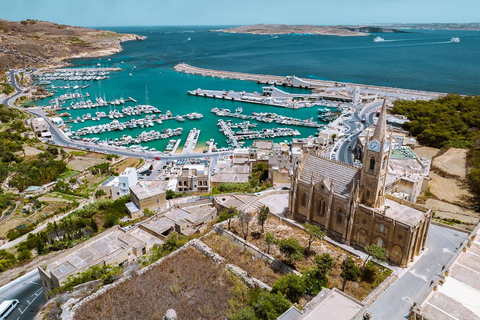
364 120
349 148
156 158
285 188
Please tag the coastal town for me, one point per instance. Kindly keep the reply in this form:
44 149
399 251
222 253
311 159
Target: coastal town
345 211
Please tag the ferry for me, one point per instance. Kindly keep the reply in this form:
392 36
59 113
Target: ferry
378 39
455 40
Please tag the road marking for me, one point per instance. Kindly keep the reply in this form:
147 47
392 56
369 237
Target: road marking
462 265
448 314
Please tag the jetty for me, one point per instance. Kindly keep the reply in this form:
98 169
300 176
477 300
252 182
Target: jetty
227 131
191 141
271 96
320 86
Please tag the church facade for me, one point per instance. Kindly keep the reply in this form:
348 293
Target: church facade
351 206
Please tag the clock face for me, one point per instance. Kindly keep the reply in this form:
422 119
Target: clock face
386 146
374 146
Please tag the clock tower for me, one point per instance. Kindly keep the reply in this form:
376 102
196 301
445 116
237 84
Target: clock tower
375 164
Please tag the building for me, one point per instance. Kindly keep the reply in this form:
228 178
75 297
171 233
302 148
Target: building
119 186
143 197
328 304
114 246
226 171
39 125
456 293
193 178
351 204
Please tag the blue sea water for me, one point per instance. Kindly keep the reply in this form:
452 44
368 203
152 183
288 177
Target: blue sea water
422 59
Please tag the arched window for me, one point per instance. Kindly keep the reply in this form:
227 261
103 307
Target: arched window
304 200
384 162
372 163
380 242
321 207
339 216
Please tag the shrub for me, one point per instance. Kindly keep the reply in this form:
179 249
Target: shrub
291 286
291 249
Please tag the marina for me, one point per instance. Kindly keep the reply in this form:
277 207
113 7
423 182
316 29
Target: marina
271 96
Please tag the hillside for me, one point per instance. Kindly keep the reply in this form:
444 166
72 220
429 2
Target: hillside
36 44
345 31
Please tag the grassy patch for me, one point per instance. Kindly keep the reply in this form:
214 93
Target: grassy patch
237 255
188 282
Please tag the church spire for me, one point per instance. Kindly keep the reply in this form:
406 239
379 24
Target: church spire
381 128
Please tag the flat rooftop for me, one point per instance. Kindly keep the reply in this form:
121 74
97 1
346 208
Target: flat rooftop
459 296
232 200
334 306
226 172
403 213
143 191
93 252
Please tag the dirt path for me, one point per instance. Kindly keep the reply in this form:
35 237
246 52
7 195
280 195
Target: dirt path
452 162
426 152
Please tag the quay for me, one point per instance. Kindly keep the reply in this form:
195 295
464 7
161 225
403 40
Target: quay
191 141
175 147
98 69
271 96
329 88
227 131
268 117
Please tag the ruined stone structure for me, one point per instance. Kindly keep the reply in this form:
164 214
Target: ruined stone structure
351 206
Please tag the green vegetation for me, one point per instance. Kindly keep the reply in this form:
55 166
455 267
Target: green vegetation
291 249
316 278
107 274
7 260
375 252
7 89
269 239
314 233
227 215
170 194
263 305
350 271
263 215
171 243
451 121
257 181
77 41
291 286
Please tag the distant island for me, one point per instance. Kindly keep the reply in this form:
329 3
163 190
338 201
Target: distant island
37 44
471 26
343 31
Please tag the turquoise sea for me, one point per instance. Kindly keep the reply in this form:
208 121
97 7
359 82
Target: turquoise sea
423 59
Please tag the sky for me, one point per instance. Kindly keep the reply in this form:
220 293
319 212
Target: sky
98 13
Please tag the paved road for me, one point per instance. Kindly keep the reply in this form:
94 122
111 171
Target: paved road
396 301
59 137
355 128
28 291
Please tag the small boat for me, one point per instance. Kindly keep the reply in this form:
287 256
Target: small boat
122 62
159 73
455 40
378 39
239 110
130 74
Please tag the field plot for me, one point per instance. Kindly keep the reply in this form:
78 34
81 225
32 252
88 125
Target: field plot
188 282
237 255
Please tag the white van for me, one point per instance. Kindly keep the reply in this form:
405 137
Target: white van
6 307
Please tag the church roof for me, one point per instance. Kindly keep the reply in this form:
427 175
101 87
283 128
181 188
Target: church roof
322 169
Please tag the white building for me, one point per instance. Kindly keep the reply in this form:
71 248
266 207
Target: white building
119 186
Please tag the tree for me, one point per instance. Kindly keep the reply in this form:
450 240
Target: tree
291 249
269 239
24 255
268 306
375 252
263 215
350 271
227 215
314 233
244 218
325 263
334 136
291 286
98 193
245 314
316 278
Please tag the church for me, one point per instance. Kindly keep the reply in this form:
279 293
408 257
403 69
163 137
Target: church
351 205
